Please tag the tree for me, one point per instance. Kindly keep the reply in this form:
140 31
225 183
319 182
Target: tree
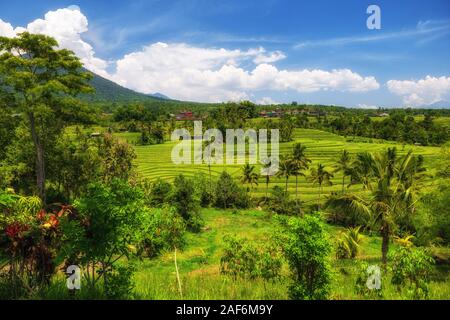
267 171
344 165
182 198
249 176
306 247
393 197
319 176
285 170
411 269
300 162
229 194
362 170
42 83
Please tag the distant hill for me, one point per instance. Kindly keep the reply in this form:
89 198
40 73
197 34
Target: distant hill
109 91
439 105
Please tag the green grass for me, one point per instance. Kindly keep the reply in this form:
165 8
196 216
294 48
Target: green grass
154 161
199 262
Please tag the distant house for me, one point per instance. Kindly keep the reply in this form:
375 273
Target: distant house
317 113
185 115
271 114
384 114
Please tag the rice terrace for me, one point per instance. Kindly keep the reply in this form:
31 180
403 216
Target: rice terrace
120 178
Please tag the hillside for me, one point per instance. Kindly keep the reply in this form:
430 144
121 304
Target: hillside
109 91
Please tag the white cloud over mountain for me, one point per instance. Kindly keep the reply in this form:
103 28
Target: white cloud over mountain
421 92
184 71
206 74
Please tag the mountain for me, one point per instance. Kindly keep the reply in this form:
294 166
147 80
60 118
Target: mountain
109 91
441 104
160 96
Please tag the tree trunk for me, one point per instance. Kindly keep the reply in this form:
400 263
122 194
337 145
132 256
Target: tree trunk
40 162
287 178
210 179
267 185
384 243
318 199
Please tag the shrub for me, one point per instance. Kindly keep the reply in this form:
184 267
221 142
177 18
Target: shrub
203 190
30 238
159 193
411 270
306 248
109 223
433 219
183 199
242 258
228 194
164 230
349 243
279 201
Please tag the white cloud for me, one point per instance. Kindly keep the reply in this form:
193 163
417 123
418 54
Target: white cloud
366 106
188 72
66 26
421 92
6 29
194 73
268 58
266 101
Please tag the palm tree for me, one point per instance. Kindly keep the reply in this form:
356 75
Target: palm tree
285 170
267 171
319 176
249 176
393 197
362 170
300 162
344 165
206 144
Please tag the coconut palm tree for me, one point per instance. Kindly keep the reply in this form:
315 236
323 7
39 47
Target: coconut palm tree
392 198
286 169
344 165
300 162
249 175
267 171
207 157
319 176
361 171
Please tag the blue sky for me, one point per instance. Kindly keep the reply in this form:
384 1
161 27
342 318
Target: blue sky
274 51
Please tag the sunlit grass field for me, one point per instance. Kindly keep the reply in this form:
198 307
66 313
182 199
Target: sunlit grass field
199 260
199 264
154 161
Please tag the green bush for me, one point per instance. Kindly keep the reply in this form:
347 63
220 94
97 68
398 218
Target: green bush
279 201
349 243
109 223
164 230
159 193
243 258
182 198
411 269
306 247
228 194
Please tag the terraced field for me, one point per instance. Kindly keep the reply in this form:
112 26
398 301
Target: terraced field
322 147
